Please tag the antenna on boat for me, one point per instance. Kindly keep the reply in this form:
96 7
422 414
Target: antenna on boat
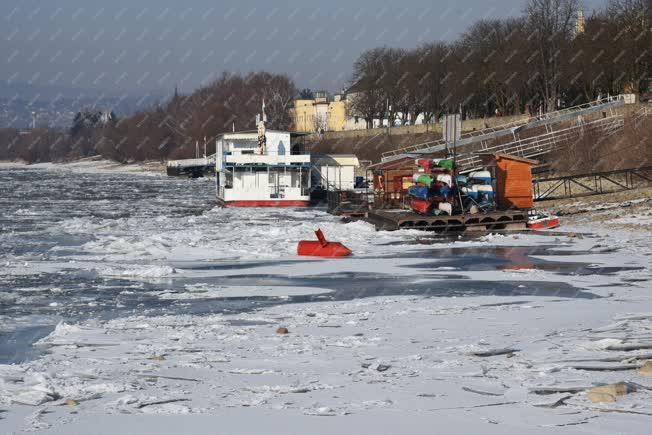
262 138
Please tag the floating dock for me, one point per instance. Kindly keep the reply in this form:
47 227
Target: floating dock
193 168
391 220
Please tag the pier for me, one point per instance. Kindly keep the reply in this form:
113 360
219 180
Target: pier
193 168
391 220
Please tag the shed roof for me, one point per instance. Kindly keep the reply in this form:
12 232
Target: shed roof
392 164
510 157
335 160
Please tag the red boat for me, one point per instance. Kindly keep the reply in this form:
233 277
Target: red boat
543 222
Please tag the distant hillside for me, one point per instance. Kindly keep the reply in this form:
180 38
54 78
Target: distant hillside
30 91
56 106
164 129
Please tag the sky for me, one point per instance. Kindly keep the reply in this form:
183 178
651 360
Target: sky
149 45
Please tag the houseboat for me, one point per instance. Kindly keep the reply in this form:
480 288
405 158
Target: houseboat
262 168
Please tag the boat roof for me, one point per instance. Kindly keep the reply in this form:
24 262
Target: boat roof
253 134
335 159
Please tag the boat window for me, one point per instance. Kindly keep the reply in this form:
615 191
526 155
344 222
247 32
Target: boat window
273 176
305 177
239 177
295 178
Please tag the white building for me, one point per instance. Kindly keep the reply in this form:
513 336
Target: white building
335 171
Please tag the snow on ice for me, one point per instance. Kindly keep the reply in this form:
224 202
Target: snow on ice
166 322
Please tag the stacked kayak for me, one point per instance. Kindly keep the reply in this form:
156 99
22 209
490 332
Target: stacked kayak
477 187
432 190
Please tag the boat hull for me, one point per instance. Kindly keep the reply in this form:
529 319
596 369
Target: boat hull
292 203
544 223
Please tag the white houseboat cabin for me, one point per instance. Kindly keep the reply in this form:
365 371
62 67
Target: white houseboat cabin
260 169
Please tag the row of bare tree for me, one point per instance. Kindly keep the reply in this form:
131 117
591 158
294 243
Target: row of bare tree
542 60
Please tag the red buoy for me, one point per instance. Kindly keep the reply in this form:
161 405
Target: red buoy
322 247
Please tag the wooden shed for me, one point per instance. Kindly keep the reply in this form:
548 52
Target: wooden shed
392 179
513 180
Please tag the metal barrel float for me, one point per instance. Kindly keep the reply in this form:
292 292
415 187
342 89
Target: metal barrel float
322 247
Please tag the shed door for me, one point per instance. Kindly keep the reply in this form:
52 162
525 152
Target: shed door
515 188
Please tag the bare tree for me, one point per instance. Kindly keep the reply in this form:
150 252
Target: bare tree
366 96
432 78
551 24
278 92
366 104
633 18
495 53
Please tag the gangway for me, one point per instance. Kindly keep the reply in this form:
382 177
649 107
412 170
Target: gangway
488 134
542 144
330 185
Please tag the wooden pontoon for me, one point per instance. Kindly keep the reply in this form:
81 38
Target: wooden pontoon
391 220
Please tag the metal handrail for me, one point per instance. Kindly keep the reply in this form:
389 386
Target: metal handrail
541 144
547 118
586 179
640 115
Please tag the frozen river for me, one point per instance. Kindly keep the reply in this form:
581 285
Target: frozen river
147 279
77 246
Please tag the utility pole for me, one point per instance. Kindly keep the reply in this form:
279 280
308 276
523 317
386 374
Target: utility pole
389 121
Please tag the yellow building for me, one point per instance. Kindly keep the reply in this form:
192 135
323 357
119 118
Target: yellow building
337 115
303 115
311 116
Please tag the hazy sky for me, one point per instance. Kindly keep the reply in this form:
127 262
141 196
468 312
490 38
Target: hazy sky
142 45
